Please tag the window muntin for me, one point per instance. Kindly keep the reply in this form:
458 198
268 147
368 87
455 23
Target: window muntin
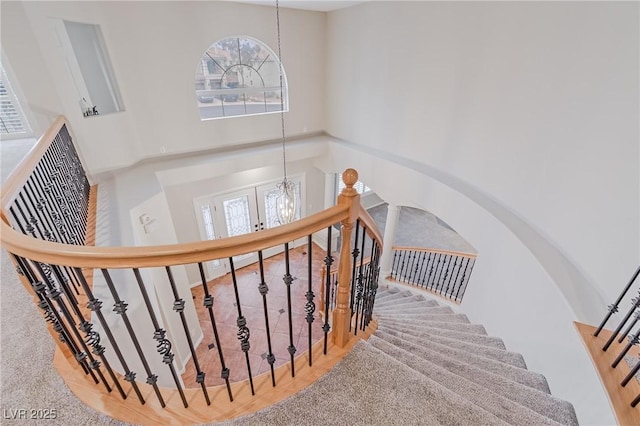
359 186
13 123
238 76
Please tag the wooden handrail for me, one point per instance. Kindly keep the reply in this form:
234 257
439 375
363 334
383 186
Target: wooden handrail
435 250
165 255
370 225
20 174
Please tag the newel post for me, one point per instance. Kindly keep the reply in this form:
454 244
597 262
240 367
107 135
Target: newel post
342 312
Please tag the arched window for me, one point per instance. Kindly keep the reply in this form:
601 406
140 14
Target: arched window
239 76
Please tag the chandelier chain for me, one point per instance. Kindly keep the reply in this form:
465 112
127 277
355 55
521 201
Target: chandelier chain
284 155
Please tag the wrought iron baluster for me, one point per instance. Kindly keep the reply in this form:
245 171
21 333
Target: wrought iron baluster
95 305
243 331
288 280
394 267
631 374
56 295
208 303
635 303
159 335
263 288
633 340
466 277
51 315
328 260
635 401
310 307
614 307
367 290
120 308
178 306
355 254
443 273
360 280
411 270
41 222
455 288
628 330
423 269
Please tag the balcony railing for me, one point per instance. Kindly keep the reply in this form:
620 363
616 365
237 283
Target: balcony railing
124 313
442 272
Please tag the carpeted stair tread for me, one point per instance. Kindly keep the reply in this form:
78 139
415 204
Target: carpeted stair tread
459 318
439 353
538 401
418 302
432 310
393 295
407 304
425 332
354 386
507 357
504 408
467 328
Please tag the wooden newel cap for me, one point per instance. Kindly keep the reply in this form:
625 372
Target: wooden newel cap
350 177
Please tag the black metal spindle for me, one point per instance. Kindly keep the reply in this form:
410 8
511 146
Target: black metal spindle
635 401
631 374
633 323
208 303
328 261
360 280
455 280
160 335
46 234
310 307
56 295
633 340
635 303
466 277
288 280
263 288
120 308
243 331
411 269
614 308
95 305
443 273
178 306
394 267
355 254
423 269
368 285
51 315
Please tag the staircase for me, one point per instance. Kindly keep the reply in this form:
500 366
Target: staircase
461 363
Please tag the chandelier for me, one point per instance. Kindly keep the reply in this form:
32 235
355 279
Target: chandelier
286 202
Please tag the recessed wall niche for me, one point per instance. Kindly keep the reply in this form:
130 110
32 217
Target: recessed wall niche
87 60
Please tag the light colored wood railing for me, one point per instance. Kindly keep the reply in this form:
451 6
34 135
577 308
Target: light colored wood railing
165 255
444 273
12 186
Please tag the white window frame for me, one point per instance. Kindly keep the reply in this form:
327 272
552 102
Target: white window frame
240 92
12 97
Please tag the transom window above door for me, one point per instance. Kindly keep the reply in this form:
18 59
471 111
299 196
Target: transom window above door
239 76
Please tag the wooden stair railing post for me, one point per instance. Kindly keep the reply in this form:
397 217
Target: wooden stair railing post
342 313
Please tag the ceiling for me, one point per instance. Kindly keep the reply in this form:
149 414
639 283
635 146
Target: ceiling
317 5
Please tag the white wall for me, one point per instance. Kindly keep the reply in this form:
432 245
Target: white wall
154 48
534 103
